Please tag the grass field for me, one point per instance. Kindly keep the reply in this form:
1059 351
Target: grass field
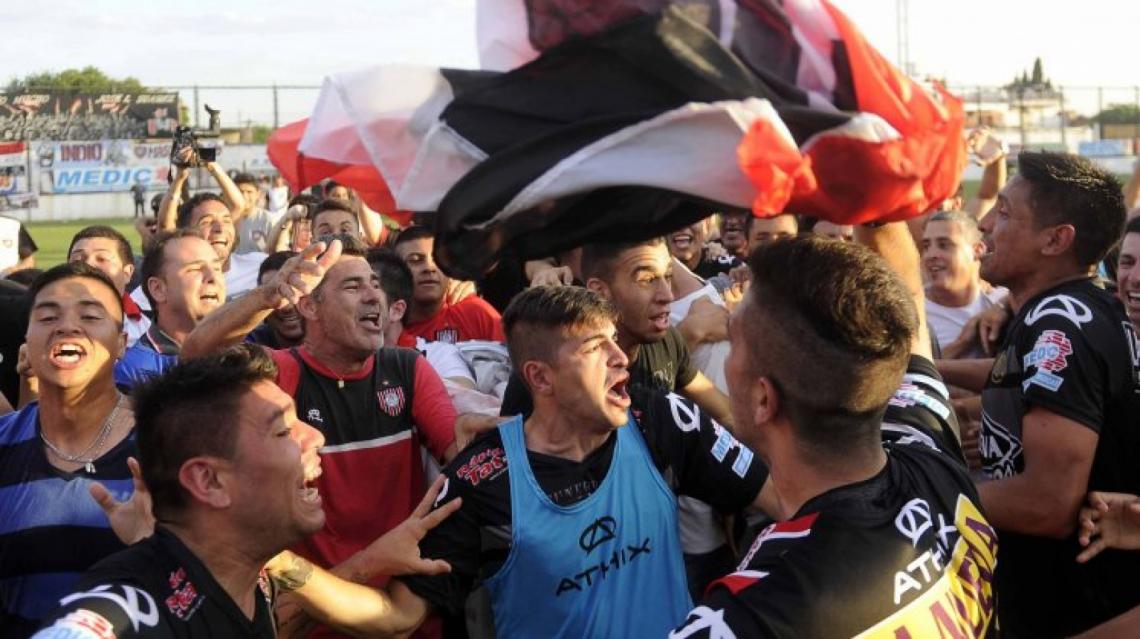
52 238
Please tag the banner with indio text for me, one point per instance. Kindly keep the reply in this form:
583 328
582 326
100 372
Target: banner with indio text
100 167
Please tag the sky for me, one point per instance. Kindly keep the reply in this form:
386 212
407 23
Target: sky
295 43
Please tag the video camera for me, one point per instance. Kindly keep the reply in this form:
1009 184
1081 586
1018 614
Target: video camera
186 137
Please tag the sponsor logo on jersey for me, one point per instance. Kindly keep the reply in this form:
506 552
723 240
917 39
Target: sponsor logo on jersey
1064 306
955 596
593 574
79 624
314 416
138 605
1001 449
706 619
724 444
184 601
597 533
1049 356
391 400
484 465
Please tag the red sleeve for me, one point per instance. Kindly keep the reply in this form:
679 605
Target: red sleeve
288 370
432 409
489 321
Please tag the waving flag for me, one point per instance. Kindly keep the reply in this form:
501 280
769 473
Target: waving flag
630 118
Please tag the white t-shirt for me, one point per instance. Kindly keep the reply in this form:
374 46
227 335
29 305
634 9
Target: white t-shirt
254 230
445 359
946 322
242 276
278 199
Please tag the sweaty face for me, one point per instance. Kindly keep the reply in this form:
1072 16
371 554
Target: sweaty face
590 376
103 253
350 307
214 221
640 285
949 260
734 234
75 333
192 282
251 194
770 229
274 466
687 243
1011 237
1128 276
833 231
286 322
430 283
336 222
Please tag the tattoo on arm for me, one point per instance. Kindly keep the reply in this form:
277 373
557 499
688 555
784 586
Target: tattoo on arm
295 576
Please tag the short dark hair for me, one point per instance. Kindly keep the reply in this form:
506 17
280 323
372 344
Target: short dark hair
273 262
536 317
1133 226
154 259
752 220
413 232
245 178
24 276
331 204
186 209
126 255
968 223
310 202
191 411
69 270
1069 189
395 276
598 258
834 339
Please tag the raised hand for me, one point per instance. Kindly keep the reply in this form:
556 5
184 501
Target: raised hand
303 273
397 552
984 147
133 519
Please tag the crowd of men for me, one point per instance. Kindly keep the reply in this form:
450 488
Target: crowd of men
292 422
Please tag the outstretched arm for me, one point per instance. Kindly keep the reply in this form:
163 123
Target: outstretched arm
893 242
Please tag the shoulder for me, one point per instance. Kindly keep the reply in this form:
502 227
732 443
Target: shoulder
1081 308
480 464
475 305
19 425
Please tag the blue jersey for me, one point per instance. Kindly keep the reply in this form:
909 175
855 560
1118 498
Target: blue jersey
607 566
139 364
51 529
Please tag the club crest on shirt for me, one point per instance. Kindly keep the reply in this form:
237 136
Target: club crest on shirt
449 335
392 400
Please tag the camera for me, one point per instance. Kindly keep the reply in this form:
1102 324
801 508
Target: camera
186 137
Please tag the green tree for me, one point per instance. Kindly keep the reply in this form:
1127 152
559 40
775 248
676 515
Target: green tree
86 80
1118 114
1038 76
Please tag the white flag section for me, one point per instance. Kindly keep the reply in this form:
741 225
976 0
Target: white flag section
389 117
646 155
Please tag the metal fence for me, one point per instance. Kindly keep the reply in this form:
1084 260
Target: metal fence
255 105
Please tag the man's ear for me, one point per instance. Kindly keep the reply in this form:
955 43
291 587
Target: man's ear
201 477
396 310
156 286
979 250
129 271
1060 239
765 401
307 307
598 286
538 376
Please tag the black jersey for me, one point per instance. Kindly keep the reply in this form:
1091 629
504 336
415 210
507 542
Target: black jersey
904 554
1071 351
713 266
157 589
695 455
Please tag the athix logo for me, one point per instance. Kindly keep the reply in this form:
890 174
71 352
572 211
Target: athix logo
597 533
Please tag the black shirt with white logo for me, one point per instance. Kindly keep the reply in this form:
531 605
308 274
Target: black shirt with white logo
906 553
157 589
695 455
1070 351
712 266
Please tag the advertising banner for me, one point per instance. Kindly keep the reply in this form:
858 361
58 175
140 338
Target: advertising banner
100 167
16 190
62 115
